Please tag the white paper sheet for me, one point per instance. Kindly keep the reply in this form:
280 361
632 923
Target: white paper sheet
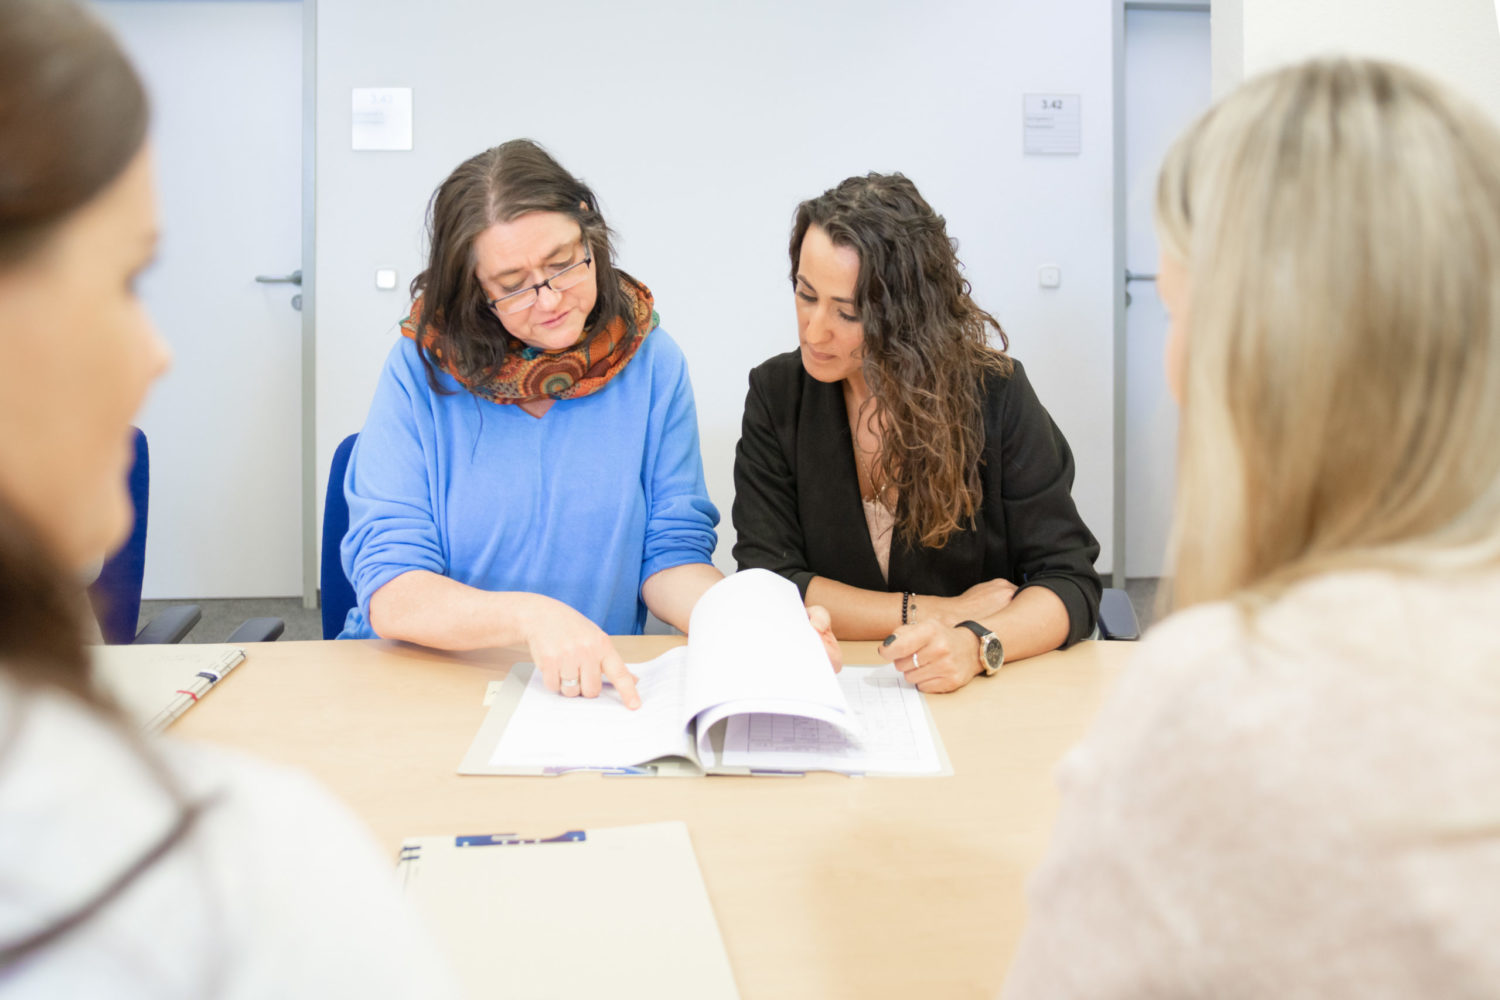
549 730
895 737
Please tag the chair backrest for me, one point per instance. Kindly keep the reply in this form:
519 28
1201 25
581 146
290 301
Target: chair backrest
116 594
338 594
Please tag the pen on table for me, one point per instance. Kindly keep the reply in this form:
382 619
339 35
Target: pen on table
188 696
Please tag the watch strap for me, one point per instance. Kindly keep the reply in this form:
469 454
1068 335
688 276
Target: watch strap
979 630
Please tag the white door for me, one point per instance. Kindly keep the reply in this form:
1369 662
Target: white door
1167 84
225 80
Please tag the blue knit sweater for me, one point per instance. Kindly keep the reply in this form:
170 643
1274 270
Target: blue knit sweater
582 505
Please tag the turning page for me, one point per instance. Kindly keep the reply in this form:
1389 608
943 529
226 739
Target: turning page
752 649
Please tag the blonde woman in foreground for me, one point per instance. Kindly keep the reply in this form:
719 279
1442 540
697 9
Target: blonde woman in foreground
1295 790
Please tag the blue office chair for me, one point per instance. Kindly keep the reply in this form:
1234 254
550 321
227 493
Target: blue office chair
338 593
1117 618
116 594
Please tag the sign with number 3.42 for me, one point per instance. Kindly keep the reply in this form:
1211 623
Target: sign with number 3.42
1051 124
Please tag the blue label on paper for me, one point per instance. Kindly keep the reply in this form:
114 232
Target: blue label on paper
507 839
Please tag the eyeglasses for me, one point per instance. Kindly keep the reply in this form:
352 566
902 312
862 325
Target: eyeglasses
524 298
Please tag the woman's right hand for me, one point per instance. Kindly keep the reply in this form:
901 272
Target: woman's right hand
574 654
975 604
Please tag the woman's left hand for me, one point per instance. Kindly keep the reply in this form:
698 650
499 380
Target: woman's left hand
818 615
933 656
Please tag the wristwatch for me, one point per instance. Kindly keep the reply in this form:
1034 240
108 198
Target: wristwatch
991 653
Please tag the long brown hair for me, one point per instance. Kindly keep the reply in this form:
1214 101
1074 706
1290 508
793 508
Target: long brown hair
926 347
500 184
72 117
1339 226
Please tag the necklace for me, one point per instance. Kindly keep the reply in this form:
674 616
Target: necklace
864 458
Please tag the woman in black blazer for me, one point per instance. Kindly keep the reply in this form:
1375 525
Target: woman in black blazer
899 469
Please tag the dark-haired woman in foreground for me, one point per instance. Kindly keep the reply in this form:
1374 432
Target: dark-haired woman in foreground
128 867
899 469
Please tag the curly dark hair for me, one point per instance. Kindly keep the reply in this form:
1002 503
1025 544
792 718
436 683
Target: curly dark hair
502 183
926 347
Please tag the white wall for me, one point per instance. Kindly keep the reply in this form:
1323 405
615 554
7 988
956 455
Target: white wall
1455 40
701 126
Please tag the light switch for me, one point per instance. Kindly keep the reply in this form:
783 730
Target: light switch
1049 276
385 279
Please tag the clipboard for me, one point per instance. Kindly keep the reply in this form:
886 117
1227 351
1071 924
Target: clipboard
155 684
618 912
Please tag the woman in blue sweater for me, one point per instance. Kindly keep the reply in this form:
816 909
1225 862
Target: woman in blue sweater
529 471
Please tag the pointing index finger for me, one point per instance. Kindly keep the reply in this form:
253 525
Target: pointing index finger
622 679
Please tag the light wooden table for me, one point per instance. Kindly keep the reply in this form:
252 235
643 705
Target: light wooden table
824 886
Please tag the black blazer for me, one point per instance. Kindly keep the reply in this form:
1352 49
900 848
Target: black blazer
797 505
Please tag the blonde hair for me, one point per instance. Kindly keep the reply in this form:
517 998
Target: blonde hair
1339 226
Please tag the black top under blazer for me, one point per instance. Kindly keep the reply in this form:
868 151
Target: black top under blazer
797 507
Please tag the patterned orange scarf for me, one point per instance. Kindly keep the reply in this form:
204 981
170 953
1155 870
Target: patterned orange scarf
529 375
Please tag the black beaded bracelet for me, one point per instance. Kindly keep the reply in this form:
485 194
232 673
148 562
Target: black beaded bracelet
905 607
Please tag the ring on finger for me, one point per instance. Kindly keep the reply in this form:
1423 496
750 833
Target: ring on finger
570 682
914 663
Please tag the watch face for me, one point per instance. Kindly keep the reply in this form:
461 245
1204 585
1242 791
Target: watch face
993 654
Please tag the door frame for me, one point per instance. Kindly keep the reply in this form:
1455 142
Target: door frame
1119 9
309 304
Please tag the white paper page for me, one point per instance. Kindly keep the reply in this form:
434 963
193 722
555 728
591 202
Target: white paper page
549 730
895 736
751 642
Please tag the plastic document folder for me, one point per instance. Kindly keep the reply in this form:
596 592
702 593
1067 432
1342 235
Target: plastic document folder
155 684
752 692
618 912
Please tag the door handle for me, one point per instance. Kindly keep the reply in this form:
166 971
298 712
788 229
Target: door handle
1134 276
295 278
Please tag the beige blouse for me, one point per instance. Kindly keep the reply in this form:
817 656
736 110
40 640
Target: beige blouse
1307 806
881 520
